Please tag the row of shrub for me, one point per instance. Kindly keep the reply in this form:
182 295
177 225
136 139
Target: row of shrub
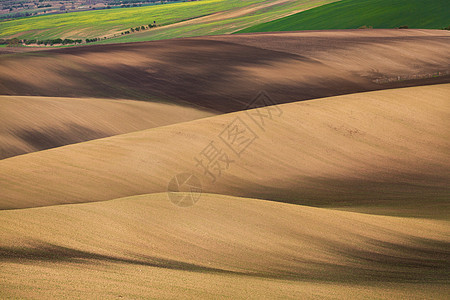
128 3
17 42
92 40
139 28
53 42
17 15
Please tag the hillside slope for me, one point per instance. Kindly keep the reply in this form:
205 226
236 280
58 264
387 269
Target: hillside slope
147 238
173 19
30 124
384 152
223 22
224 74
352 14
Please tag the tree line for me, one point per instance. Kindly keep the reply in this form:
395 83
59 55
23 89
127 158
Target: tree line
139 28
15 42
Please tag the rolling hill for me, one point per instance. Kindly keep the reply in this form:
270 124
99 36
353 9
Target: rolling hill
223 246
352 14
362 151
318 161
29 124
195 18
223 22
224 73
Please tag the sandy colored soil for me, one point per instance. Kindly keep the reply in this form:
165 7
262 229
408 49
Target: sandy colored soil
148 244
363 150
226 73
129 281
338 197
30 124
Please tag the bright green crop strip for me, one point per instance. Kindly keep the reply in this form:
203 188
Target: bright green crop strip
348 14
232 24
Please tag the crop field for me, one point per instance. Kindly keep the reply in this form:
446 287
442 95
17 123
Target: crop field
352 14
185 19
200 159
225 22
102 22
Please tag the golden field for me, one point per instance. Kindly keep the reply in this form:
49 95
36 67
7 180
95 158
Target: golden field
338 190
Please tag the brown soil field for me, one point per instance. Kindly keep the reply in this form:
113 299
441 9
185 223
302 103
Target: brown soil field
361 151
13 50
145 245
224 73
29 124
331 183
129 281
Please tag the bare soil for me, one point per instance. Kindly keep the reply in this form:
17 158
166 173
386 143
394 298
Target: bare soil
224 73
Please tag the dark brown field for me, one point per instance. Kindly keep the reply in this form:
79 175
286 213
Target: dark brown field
224 73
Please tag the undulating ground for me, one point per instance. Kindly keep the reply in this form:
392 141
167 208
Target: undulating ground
317 164
224 73
223 22
191 18
144 246
361 150
352 14
29 124
207 17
